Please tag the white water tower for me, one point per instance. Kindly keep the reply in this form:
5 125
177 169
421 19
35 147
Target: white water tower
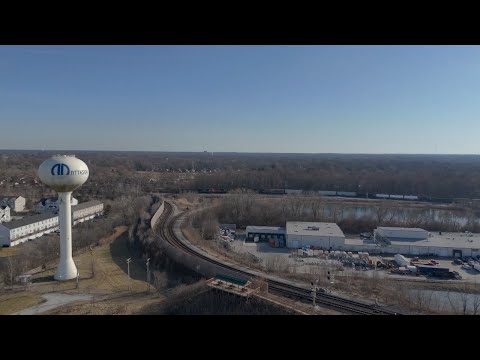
64 173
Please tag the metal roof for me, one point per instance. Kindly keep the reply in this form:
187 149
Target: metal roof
400 228
313 229
27 220
86 205
272 229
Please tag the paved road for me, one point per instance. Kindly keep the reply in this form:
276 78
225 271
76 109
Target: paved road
54 300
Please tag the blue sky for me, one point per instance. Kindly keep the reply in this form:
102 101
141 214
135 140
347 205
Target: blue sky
314 99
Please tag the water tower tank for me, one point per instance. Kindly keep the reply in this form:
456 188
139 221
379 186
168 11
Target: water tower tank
63 173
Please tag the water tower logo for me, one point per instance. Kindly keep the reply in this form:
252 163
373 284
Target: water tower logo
61 169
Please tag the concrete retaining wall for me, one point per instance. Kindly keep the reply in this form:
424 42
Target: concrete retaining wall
157 215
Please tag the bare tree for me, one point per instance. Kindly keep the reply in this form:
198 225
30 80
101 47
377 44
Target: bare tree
209 228
475 303
464 298
316 208
423 299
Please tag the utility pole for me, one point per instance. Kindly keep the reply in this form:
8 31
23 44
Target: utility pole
78 271
148 274
314 292
314 295
128 272
92 260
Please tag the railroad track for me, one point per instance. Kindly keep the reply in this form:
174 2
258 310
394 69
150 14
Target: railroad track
165 229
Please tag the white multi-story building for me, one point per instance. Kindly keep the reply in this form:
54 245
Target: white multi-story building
16 203
5 214
51 204
86 211
31 227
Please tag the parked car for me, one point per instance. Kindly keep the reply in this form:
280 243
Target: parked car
458 262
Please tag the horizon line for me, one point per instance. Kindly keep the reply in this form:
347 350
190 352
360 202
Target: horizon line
240 152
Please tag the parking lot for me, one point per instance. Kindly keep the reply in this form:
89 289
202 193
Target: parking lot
312 261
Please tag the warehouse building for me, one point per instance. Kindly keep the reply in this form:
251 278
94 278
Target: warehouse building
327 236
400 234
264 233
31 227
435 244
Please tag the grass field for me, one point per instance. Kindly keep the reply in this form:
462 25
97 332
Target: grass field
13 302
103 273
7 251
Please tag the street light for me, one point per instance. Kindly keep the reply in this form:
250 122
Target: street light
128 271
148 273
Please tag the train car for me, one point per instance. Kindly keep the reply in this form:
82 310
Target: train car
212 191
327 193
347 193
272 191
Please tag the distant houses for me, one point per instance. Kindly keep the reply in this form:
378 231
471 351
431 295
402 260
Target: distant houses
15 203
51 205
5 214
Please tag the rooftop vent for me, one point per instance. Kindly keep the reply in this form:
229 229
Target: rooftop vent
313 228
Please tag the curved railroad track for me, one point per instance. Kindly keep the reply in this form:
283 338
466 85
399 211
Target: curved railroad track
165 229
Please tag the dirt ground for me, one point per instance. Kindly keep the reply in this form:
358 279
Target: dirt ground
103 276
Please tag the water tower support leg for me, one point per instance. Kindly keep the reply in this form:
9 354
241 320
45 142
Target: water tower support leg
66 269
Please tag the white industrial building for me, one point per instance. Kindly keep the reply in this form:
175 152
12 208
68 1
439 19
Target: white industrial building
16 203
31 227
320 235
51 204
400 233
5 214
414 241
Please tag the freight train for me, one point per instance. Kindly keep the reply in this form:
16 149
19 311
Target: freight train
211 191
349 194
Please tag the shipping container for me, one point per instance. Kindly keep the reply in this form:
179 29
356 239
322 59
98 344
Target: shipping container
426 269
